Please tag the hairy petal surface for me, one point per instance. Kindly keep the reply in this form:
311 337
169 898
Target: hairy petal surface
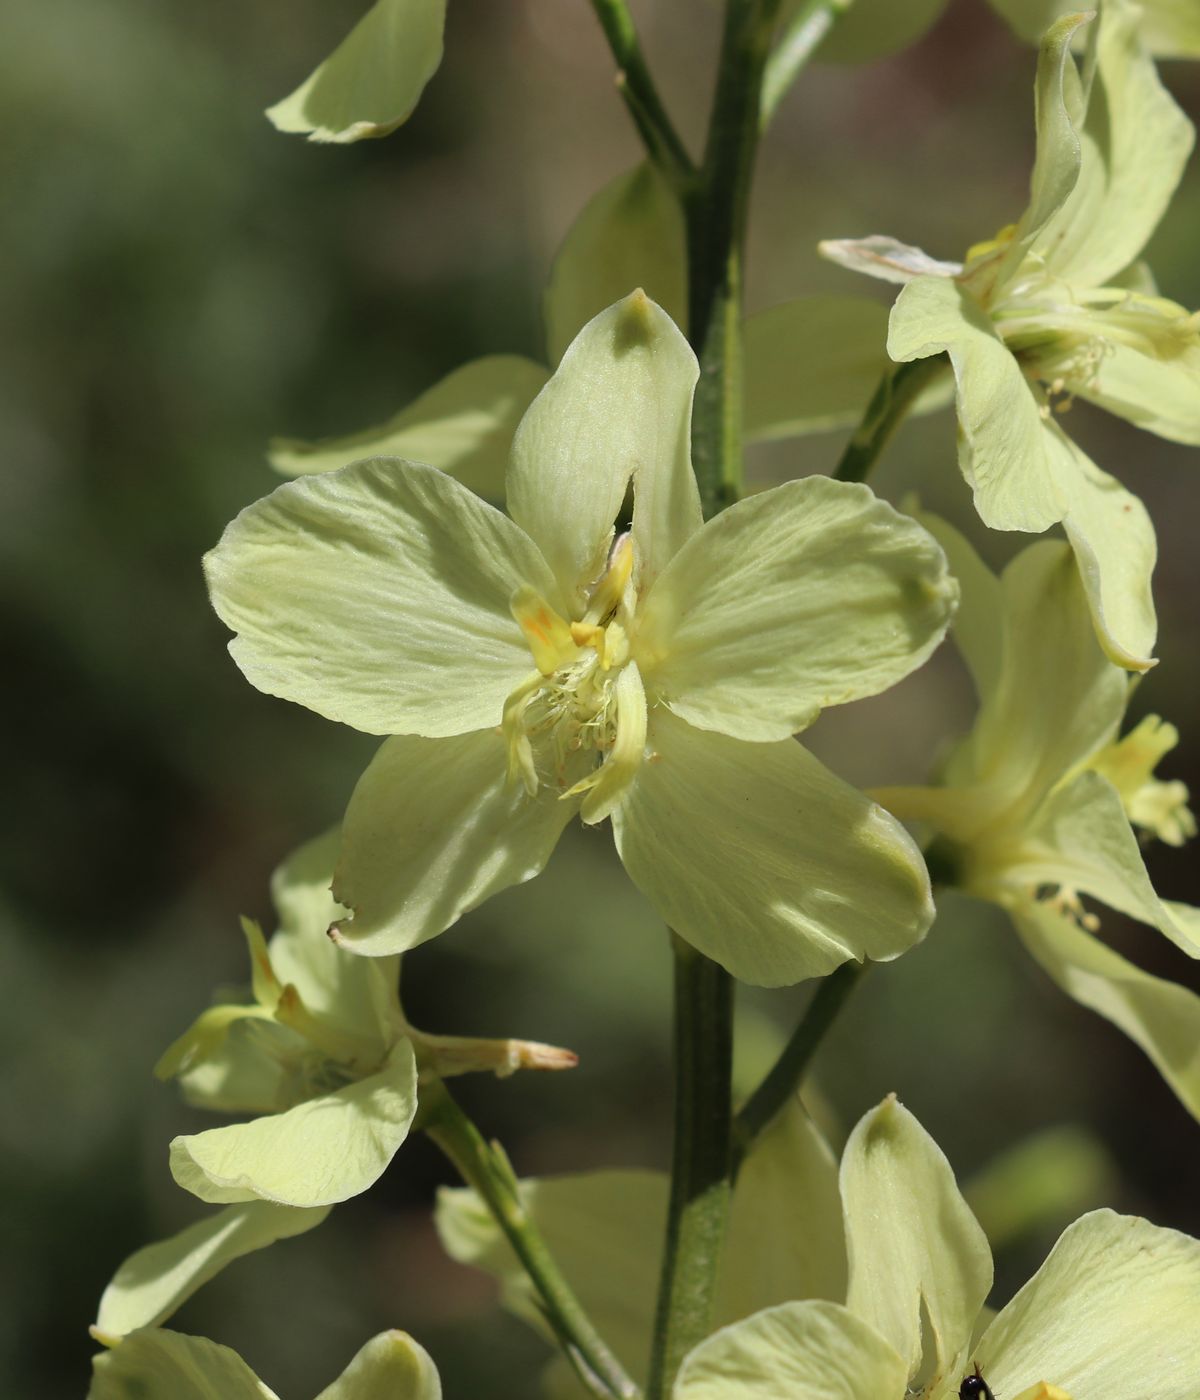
764 860
435 827
617 410
1114 1311
463 425
913 1243
324 1150
811 594
378 595
372 81
156 1364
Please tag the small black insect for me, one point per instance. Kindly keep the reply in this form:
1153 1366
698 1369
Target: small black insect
974 1387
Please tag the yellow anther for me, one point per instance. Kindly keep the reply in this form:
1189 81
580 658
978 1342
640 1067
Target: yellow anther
549 637
611 588
587 634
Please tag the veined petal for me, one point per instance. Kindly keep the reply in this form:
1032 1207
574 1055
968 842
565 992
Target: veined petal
156 1364
1115 548
378 595
630 234
1135 142
463 425
914 1245
1161 1017
886 258
434 828
390 1367
1002 444
322 1151
154 1281
1161 394
806 1351
372 81
617 409
811 594
764 860
1083 840
1114 1311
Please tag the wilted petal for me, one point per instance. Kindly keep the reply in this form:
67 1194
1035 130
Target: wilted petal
811 594
463 425
764 860
805 1351
159 1365
617 409
324 1150
372 81
153 1282
378 595
434 828
390 1367
886 258
915 1248
1160 1016
1114 1311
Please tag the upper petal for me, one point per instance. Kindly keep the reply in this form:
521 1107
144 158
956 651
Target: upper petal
1114 1311
805 1351
371 82
156 1364
915 1248
764 860
1002 447
378 595
392 1366
617 409
812 594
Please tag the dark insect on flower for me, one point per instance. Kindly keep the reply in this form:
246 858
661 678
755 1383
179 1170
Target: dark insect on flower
974 1387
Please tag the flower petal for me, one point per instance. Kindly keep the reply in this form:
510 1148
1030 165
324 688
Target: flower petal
378 595
630 234
463 425
978 626
156 1364
886 258
764 860
806 1351
372 81
390 1367
1159 394
324 1150
1161 1017
811 594
1168 28
914 1246
1002 445
1135 142
434 828
154 1281
1114 1310
617 409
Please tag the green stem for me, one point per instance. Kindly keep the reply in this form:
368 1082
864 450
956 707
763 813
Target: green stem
802 34
896 393
485 1167
700 1170
789 1069
662 141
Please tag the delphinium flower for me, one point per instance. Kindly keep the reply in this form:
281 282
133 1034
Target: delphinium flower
1113 1312
1056 307
157 1364
1039 805
534 665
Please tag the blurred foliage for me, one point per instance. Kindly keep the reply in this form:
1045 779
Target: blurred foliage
182 283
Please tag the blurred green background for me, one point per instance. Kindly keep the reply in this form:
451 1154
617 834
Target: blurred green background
180 283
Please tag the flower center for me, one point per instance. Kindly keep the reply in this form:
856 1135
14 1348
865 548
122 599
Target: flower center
579 722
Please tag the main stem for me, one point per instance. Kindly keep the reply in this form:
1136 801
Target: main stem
485 1167
716 202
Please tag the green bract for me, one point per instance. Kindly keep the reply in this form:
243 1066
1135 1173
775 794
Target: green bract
372 81
605 1229
155 1364
1054 308
1114 1310
534 665
1037 803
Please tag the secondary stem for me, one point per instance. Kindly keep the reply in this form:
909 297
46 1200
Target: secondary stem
485 1167
896 393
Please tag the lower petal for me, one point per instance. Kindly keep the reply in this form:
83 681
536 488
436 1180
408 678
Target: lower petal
156 1364
434 828
764 860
